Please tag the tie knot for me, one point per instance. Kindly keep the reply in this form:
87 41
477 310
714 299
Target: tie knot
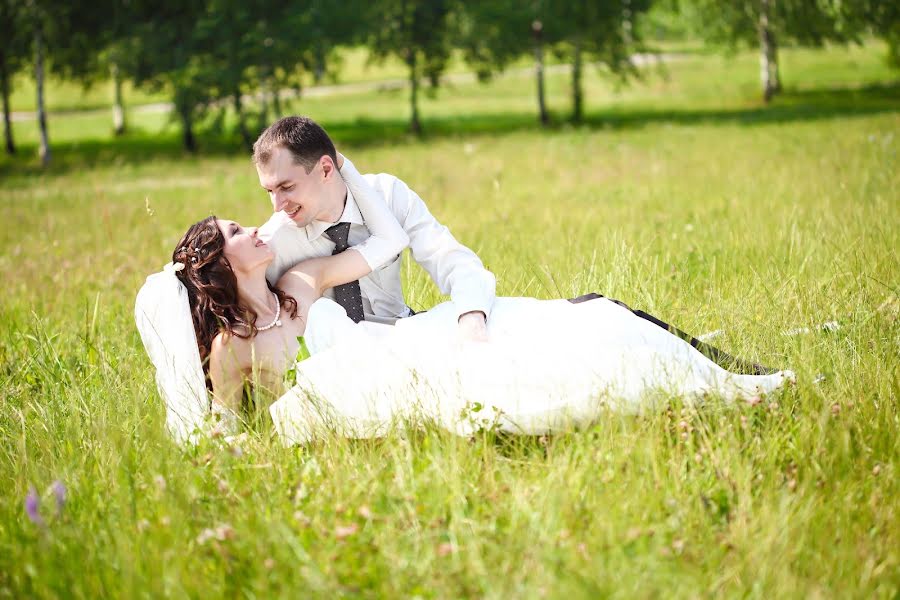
339 233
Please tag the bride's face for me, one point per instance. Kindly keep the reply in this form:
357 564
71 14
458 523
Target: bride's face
243 248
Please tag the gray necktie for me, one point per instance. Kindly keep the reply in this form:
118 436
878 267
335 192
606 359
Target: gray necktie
347 295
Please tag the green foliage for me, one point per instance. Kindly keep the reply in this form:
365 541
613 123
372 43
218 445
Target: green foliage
793 21
418 32
495 33
603 31
880 18
499 31
771 23
14 51
74 34
63 35
798 21
290 376
218 51
240 57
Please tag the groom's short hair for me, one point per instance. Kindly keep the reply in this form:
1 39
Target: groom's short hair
305 139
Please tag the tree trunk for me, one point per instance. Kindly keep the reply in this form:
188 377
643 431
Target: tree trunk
44 150
627 23
415 126
118 108
276 101
242 125
768 58
265 98
187 129
537 28
7 117
319 67
577 92
774 72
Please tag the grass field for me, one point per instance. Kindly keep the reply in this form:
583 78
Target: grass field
681 195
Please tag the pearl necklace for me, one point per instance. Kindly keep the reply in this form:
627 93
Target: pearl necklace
277 320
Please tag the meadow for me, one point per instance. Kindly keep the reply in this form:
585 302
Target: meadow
682 195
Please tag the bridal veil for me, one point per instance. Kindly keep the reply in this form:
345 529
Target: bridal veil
163 318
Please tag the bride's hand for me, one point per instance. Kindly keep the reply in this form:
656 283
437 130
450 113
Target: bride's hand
472 326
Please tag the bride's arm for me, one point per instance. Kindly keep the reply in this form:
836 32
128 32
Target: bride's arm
387 239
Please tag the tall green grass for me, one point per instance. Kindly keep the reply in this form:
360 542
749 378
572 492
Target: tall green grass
711 214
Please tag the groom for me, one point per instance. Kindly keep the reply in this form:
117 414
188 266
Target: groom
316 215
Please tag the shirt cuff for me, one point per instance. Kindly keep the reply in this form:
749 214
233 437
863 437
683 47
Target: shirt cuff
475 294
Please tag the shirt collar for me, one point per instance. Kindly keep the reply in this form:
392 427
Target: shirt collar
350 215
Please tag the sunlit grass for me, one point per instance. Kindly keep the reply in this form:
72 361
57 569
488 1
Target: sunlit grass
713 216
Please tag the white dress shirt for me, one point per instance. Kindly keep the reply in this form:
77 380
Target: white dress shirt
454 268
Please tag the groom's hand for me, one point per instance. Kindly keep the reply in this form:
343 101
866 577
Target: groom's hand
472 326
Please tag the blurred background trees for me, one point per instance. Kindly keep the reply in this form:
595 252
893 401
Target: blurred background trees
214 57
770 23
13 58
602 32
40 35
421 33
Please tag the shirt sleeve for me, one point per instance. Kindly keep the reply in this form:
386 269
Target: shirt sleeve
387 238
454 268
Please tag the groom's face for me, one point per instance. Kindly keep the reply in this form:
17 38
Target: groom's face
300 195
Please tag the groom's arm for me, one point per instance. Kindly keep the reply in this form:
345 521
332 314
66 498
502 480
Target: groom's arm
454 268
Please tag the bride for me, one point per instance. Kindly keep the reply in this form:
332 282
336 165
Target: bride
547 365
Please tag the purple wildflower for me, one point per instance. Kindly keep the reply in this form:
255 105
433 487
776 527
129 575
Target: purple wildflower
32 506
59 492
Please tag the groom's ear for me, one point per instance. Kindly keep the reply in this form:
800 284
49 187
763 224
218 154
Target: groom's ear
328 167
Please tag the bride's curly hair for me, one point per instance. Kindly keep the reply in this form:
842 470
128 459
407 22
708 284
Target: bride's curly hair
212 288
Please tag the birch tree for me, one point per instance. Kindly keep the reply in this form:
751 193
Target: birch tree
218 54
118 60
583 31
419 33
602 32
13 56
537 32
63 39
768 24
493 33
39 54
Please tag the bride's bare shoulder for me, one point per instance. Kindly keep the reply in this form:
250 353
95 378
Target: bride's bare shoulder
227 347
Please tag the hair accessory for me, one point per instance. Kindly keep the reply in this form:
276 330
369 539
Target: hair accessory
173 267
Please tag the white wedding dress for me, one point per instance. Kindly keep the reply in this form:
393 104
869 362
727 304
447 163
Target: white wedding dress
549 365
